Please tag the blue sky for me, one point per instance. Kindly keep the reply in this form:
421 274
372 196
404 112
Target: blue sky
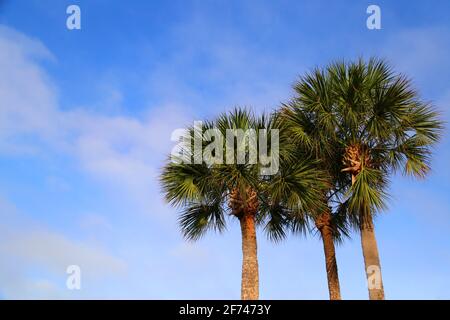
85 123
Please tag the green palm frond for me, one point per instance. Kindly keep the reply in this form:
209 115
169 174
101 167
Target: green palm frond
202 190
340 223
184 182
368 195
362 103
275 219
197 218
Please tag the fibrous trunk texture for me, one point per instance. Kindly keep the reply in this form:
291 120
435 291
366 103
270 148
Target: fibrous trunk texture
244 205
356 157
323 224
372 261
250 276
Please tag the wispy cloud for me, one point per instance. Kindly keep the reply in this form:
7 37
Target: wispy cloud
35 258
117 149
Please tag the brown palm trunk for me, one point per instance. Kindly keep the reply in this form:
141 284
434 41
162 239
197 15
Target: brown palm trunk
371 257
250 277
372 261
323 224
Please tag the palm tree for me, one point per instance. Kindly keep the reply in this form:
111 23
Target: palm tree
303 130
208 191
332 226
380 125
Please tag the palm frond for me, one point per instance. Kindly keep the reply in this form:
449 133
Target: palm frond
197 218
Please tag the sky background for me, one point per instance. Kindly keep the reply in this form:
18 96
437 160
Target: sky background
85 123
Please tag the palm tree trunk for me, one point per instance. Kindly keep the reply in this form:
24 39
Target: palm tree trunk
250 277
371 257
323 224
372 261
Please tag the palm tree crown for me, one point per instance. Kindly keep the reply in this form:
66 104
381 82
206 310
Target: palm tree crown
373 124
207 192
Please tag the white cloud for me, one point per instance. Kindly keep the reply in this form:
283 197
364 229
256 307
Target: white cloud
123 151
35 258
27 98
55 251
15 286
95 222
